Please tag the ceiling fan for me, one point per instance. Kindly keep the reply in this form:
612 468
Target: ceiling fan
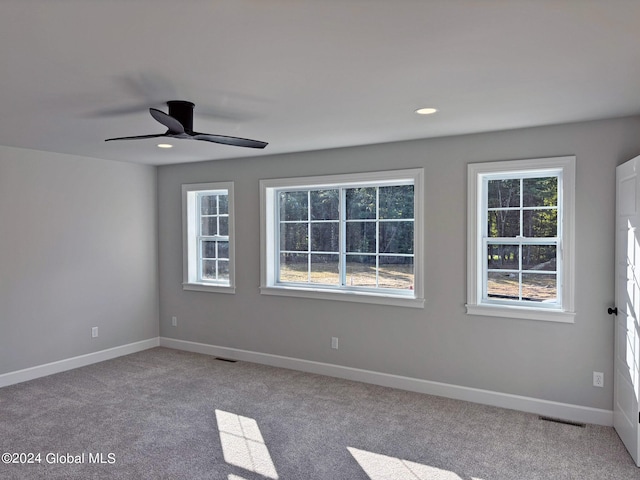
179 122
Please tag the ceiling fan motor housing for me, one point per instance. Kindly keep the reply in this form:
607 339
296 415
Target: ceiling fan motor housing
182 111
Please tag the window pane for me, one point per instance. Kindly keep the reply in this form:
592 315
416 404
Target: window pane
294 237
293 206
223 204
208 269
325 237
223 270
396 237
539 287
224 226
325 205
396 202
209 226
503 285
208 249
504 193
361 270
540 223
503 223
294 267
503 257
539 257
208 204
395 272
540 192
361 203
223 249
361 237
324 269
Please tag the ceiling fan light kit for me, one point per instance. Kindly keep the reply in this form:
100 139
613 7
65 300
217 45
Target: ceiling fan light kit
179 123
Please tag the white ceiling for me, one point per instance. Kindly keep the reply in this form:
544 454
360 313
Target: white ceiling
306 74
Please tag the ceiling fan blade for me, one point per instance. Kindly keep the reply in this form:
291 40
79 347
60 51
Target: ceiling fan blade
235 141
174 126
138 137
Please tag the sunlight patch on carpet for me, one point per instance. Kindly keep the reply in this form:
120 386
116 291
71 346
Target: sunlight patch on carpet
243 445
383 467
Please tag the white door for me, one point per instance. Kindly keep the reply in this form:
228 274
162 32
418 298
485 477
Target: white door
626 413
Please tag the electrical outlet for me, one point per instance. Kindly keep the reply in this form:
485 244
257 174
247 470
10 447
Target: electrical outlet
334 343
94 332
598 379
174 321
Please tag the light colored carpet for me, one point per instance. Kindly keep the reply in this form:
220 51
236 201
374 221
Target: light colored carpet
168 414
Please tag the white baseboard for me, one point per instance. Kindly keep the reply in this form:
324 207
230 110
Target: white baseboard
565 411
38 371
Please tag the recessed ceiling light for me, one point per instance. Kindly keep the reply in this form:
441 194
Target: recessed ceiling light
165 145
426 111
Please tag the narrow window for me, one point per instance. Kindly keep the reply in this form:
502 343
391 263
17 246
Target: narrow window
208 237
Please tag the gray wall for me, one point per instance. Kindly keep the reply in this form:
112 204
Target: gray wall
78 248
440 342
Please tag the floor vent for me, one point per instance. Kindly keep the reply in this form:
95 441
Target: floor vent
560 420
225 360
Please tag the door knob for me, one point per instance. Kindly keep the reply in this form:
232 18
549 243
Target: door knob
612 311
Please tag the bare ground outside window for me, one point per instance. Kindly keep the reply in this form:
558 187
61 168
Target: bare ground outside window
394 276
536 287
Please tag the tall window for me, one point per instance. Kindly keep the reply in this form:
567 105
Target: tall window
349 234
520 238
208 237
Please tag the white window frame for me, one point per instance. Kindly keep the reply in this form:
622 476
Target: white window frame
269 238
191 274
477 174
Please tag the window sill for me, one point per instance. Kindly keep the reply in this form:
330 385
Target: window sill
521 313
350 296
204 287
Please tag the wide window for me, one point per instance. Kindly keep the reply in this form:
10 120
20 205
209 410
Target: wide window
208 237
346 237
521 239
